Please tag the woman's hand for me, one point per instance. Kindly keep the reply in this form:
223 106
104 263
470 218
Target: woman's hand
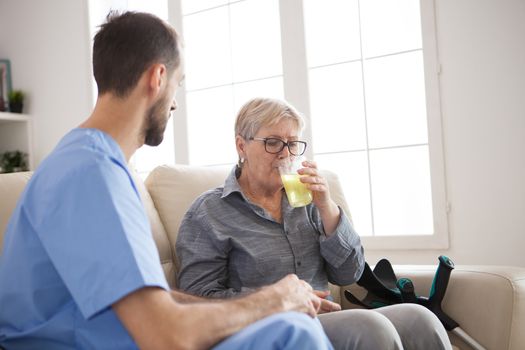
328 210
293 294
297 295
315 183
326 305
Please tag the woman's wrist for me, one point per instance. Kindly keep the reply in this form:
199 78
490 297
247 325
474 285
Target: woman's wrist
330 216
330 209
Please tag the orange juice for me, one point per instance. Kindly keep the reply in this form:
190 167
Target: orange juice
297 193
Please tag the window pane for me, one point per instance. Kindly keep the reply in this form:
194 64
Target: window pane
210 126
256 39
390 26
207 49
352 169
401 196
190 6
395 100
147 158
332 31
336 101
158 7
243 92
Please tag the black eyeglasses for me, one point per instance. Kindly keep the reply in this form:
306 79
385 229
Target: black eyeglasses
274 145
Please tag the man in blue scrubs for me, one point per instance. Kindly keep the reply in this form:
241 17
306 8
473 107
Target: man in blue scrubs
80 269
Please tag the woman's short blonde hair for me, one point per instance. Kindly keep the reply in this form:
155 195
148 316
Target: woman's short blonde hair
260 112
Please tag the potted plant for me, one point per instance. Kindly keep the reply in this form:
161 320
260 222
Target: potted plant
13 161
16 101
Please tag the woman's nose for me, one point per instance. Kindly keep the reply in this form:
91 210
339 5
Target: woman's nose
285 152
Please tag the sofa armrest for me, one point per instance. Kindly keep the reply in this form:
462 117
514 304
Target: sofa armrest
488 302
11 186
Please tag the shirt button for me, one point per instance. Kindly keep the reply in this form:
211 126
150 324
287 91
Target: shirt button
298 263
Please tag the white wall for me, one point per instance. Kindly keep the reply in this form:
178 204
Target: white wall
482 51
48 45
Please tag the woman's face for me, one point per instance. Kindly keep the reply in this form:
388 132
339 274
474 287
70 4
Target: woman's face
261 167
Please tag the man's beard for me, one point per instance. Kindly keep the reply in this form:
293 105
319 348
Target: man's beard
155 124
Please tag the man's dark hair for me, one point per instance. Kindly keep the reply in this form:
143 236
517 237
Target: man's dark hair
126 45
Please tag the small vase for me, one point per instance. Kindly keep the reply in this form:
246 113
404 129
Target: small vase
16 107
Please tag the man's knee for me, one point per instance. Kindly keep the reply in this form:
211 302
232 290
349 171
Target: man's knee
290 330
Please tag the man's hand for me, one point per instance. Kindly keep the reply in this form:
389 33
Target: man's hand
156 319
326 305
295 295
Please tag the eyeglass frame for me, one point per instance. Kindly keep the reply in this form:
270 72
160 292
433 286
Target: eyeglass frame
287 144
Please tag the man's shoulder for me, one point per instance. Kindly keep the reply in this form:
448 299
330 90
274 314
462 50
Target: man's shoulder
81 153
81 146
77 167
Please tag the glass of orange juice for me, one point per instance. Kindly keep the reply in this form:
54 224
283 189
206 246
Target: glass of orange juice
296 191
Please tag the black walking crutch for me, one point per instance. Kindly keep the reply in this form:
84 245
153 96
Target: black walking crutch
383 288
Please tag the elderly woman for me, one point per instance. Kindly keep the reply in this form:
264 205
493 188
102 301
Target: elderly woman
245 235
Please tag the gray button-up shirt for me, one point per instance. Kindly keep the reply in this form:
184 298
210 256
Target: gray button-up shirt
228 245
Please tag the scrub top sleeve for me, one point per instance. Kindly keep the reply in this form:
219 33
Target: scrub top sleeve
98 237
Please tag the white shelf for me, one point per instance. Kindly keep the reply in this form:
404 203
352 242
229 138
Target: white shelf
16 133
14 117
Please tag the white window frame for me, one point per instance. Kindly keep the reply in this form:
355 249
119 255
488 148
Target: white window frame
296 91
180 120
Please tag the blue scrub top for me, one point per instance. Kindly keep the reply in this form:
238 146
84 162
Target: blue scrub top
78 241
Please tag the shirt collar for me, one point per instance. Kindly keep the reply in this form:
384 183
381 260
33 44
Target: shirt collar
231 184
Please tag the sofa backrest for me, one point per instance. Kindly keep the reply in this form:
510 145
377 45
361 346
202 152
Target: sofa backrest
167 193
174 188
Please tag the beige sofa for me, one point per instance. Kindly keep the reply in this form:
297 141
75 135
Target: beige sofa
487 301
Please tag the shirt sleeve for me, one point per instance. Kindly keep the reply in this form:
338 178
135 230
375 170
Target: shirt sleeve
342 251
203 256
97 235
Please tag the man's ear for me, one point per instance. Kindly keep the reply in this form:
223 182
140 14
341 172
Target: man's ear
157 77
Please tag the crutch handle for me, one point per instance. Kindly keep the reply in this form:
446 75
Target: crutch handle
440 282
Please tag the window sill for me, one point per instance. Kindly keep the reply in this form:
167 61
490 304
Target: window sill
435 241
